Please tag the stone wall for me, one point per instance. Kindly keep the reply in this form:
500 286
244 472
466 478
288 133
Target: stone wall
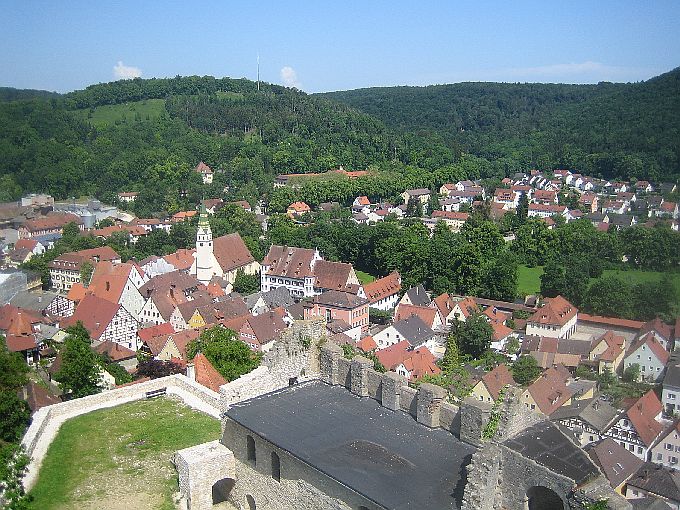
47 421
299 487
426 403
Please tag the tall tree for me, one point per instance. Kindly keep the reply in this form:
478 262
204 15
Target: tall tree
473 336
231 357
79 373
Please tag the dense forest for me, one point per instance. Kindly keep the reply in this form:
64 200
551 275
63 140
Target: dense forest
610 130
410 136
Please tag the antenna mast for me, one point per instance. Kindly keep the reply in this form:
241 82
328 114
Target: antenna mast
258 72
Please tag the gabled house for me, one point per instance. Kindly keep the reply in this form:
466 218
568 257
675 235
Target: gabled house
429 315
666 451
462 309
557 318
205 172
453 220
383 293
411 329
416 296
650 356
105 320
549 392
297 209
670 395
617 464
164 292
654 484
53 223
119 283
489 386
507 198
639 426
336 305
170 347
545 197
258 332
662 332
65 269
420 194
586 418
608 351
418 362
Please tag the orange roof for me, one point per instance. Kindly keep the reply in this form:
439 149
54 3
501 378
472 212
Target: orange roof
659 326
642 415
109 280
367 344
550 391
383 287
203 168
444 304
363 200
610 321
555 311
76 293
107 232
95 313
115 351
207 374
215 290
183 215
451 215
467 306
299 207
18 321
28 244
145 334
421 362
182 259
495 315
500 331
497 379
393 355
425 313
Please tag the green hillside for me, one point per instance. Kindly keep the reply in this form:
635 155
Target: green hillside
99 116
613 130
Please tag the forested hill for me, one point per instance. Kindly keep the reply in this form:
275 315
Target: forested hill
613 130
12 94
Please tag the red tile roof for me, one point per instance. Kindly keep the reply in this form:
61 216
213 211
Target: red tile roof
115 351
451 215
497 379
393 355
550 390
231 252
367 344
610 321
182 259
95 313
444 304
26 244
425 313
421 362
642 415
109 280
299 207
556 311
76 293
383 287
290 262
53 221
18 343
145 334
203 168
659 326
332 275
500 331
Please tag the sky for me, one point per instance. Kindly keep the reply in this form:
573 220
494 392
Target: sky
321 46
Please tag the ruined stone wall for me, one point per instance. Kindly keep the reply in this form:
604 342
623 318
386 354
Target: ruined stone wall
301 487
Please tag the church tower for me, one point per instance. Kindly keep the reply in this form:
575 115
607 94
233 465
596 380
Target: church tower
205 265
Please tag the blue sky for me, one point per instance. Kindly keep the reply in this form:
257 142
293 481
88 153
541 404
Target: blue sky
323 45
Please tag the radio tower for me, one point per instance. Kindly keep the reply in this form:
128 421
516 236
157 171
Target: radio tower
258 72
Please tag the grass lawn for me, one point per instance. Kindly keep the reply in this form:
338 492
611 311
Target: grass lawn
109 114
529 280
364 277
119 458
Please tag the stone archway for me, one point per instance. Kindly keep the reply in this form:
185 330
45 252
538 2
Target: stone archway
543 498
221 490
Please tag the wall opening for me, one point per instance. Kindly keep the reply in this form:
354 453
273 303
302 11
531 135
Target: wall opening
251 502
542 498
250 445
276 467
221 490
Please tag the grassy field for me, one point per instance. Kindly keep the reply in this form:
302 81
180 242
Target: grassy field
364 277
108 114
529 280
119 458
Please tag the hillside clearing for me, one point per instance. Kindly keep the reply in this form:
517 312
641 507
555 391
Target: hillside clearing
100 116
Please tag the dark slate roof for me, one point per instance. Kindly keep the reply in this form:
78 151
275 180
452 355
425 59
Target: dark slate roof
649 504
414 330
33 300
546 444
280 296
616 463
595 412
672 377
656 479
384 455
418 296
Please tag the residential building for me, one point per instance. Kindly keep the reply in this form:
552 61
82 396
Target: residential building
488 388
127 196
586 418
549 392
412 329
420 194
662 332
205 171
105 320
417 363
416 296
336 305
616 463
655 481
670 395
170 347
258 332
65 269
557 318
297 209
608 351
547 210
383 293
119 283
666 451
453 220
650 356
639 426
52 223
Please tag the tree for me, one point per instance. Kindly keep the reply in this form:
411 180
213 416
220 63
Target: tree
246 283
70 232
632 373
500 279
525 370
611 297
414 208
230 357
155 368
522 209
473 336
13 464
80 365
451 358
553 280
86 270
15 415
13 369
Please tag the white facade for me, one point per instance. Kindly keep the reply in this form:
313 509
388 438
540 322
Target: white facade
552 330
651 367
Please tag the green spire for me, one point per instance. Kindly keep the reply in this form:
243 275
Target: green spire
203 217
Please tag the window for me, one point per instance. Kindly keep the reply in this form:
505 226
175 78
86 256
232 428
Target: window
250 445
276 467
639 449
659 456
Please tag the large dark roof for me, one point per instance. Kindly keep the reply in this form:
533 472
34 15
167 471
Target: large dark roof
657 480
548 446
384 455
595 412
672 377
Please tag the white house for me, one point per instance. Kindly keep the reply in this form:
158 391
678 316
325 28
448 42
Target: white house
650 356
555 319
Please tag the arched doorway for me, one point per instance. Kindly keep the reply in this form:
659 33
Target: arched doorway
542 498
221 490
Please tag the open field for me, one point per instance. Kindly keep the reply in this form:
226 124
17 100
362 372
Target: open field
148 109
529 280
120 458
364 277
